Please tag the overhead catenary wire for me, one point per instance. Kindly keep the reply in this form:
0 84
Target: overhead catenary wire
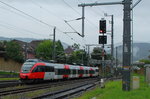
27 14
94 10
79 13
15 28
72 27
15 13
45 9
99 9
38 20
9 28
18 28
50 12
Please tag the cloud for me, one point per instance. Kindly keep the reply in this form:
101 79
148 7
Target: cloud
54 12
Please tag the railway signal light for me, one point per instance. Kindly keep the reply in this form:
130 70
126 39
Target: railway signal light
102 26
102 39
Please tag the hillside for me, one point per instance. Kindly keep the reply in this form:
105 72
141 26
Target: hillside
140 51
65 45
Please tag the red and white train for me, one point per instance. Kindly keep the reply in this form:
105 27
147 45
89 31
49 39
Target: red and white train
34 70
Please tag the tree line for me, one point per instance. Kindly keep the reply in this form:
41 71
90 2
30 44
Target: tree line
44 51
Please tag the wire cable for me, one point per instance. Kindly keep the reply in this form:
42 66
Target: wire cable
27 14
48 11
40 21
16 29
15 13
79 13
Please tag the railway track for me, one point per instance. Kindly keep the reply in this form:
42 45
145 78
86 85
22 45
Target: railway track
42 86
68 92
71 92
3 81
9 83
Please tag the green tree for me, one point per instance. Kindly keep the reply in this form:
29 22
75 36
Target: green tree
60 55
13 51
59 48
3 45
108 56
76 46
97 53
78 57
44 50
146 61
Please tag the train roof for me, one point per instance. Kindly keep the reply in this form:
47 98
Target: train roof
57 65
72 66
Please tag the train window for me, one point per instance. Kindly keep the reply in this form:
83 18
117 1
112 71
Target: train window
56 71
86 71
73 71
49 69
64 71
27 66
52 69
92 71
67 71
60 71
97 70
35 69
39 69
80 72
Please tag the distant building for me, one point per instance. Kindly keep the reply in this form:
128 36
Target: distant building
68 51
33 44
2 49
28 49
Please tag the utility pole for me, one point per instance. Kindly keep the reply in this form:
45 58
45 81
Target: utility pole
88 50
126 45
116 57
25 48
83 18
88 53
82 59
116 61
54 48
126 38
112 41
103 60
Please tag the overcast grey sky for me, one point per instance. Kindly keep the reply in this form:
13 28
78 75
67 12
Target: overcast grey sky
54 12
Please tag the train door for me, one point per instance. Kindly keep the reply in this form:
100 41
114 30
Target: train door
49 73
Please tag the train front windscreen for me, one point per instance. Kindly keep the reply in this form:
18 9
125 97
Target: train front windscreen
27 66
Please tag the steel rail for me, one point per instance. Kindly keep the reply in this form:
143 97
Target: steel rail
41 86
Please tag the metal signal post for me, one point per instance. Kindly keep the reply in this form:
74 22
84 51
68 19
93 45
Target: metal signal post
54 48
126 45
103 41
126 39
112 40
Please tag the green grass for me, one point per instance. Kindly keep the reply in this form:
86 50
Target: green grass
113 90
8 76
8 73
1 79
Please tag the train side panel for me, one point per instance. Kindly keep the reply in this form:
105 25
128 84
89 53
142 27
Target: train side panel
50 71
